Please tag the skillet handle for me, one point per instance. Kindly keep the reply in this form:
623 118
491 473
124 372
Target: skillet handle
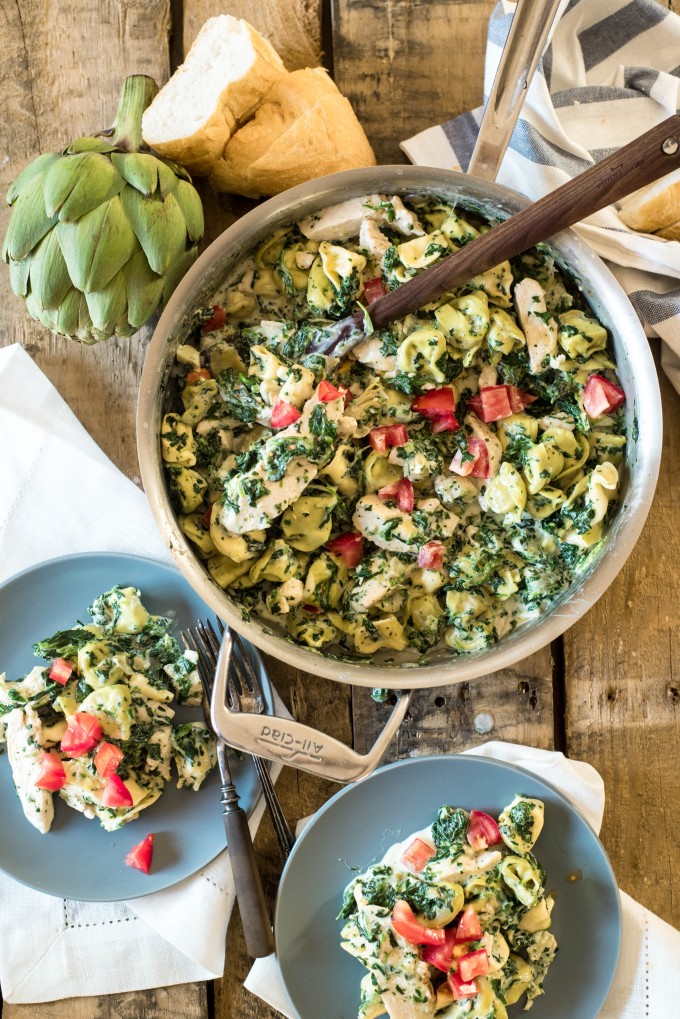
523 48
290 742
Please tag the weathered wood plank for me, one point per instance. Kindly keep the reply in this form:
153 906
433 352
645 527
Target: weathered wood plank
408 65
184 1001
514 705
623 695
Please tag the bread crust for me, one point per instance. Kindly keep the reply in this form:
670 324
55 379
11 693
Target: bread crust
239 98
304 128
654 208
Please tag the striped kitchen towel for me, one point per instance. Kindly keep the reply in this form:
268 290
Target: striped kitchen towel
610 72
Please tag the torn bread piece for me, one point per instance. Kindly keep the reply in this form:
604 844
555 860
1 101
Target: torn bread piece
227 71
304 128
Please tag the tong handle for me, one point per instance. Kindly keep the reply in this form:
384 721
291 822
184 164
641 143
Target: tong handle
523 48
291 742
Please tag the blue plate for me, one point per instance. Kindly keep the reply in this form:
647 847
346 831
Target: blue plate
77 858
356 827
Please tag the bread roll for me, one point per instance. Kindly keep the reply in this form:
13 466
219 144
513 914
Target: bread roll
655 208
226 73
304 128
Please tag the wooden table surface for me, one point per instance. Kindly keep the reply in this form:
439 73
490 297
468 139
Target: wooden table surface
608 692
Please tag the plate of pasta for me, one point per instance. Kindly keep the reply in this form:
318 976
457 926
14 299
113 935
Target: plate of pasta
452 887
102 725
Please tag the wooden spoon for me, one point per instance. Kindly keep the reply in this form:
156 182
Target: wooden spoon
652 155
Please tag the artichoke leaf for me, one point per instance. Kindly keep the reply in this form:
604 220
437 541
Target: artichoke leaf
97 245
29 221
50 280
77 184
192 210
48 317
139 169
90 144
158 225
18 275
179 269
38 165
178 170
144 289
68 316
108 305
167 181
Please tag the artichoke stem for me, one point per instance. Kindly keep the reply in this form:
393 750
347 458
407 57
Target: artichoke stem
137 92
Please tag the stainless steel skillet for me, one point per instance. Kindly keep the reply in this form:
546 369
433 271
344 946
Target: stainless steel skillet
643 406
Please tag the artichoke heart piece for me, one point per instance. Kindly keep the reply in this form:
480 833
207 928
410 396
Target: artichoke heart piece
101 233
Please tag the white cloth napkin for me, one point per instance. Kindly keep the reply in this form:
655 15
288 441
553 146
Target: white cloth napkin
52 948
647 981
611 72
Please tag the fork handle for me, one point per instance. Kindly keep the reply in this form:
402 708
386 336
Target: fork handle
252 904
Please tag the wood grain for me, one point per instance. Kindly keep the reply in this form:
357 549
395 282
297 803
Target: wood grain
623 695
408 64
184 1001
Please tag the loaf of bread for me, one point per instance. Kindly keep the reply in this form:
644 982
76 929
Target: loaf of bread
226 73
655 208
303 128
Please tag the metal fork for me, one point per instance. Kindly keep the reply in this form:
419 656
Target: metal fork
257 930
245 694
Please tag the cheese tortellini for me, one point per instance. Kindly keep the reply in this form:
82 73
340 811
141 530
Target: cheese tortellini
456 874
96 725
438 485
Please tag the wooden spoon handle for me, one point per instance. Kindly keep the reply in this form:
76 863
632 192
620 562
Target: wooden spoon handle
654 154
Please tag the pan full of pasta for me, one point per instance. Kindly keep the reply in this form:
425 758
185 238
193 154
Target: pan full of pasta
446 497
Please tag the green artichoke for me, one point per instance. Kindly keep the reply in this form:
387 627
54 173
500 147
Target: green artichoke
101 233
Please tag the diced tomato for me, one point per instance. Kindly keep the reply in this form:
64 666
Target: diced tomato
445 423
314 609
199 375
416 855
461 988
407 924
348 395
482 831
116 793
373 289
474 964
51 775
60 671
431 555
435 403
478 467
326 392
349 546
387 436
140 856
284 414
469 928
519 399
107 759
601 396
83 733
205 519
496 402
400 492
219 317
441 956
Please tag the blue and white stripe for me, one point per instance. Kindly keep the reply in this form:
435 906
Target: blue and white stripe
610 72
